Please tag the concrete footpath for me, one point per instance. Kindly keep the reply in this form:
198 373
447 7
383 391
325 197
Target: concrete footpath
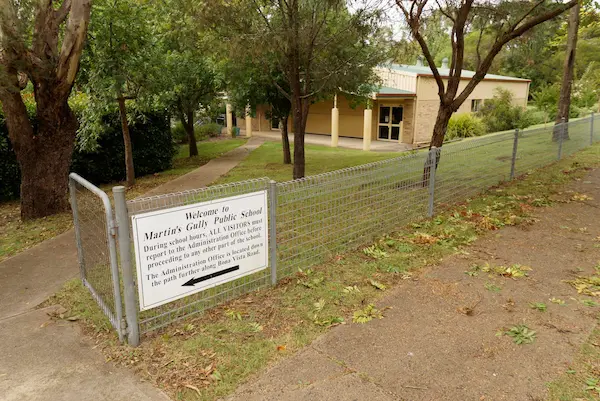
43 359
210 172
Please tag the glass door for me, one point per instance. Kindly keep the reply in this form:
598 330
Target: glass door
390 123
274 123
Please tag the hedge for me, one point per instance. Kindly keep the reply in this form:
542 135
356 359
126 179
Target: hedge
152 144
153 151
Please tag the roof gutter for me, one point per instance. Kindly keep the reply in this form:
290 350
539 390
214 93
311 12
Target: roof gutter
485 79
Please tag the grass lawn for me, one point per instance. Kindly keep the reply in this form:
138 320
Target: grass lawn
16 236
266 161
208 356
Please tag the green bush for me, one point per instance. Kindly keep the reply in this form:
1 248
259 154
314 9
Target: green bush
201 133
210 130
153 151
178 133
464 125
500 114
536 116
152 144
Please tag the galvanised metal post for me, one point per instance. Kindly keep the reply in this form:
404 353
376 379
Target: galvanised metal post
514 155
75 210
123 236
563 131
432 163
273 230
592 129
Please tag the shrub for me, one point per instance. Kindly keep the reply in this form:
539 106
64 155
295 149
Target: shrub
546 99
180 136
536 116
210 130
152 144
178 133
500 114
464 125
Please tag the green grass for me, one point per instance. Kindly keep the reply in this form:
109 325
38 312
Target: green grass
16 236
267 161
206 357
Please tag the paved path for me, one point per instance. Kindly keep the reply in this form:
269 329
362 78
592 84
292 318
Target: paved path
425 349
210 172
41 359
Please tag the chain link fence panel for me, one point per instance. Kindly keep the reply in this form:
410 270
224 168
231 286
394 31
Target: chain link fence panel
320 216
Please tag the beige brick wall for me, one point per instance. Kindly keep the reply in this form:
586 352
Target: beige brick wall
428 101
425 119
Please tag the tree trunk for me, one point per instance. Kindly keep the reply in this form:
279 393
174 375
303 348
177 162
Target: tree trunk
437 139
285 141
564 102
299 122
189 129
129 168
44 157
441 125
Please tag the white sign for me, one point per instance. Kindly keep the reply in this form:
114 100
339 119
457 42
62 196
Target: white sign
187 249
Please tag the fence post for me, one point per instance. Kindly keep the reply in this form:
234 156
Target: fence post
123 236
75 210
563 131
432 161
514 155
592 129
273 230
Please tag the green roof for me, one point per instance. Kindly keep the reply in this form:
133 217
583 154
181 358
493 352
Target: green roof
386 90
445 72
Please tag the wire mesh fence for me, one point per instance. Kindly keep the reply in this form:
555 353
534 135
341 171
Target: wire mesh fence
320 216
93 217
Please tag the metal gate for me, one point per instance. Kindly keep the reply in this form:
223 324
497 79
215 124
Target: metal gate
95 234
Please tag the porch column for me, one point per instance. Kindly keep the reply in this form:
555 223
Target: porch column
229 118
368 119
248 122
335 123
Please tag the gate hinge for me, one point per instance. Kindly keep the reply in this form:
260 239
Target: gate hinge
113 228
124 328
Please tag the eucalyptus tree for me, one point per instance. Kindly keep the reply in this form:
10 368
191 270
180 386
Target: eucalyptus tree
320 46
499 21
41 42
564 101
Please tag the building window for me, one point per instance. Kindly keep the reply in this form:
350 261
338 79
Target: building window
476 105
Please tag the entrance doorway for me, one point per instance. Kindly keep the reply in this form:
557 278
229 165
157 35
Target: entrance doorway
274 123
389 127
